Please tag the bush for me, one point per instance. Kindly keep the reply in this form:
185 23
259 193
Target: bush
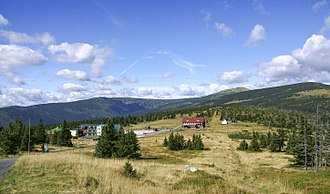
128 171
243 146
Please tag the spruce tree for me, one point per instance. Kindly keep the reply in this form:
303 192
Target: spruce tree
254 145
127 146
197 142
263 141
64 138
105 147
39 134
165 142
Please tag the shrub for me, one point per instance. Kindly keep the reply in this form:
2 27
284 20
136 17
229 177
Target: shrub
128 171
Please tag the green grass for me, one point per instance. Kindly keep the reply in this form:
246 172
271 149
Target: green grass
40 179
308 181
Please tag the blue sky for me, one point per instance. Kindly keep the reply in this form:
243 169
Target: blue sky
59 51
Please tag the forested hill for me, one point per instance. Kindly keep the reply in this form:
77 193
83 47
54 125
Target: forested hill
298 97
303 97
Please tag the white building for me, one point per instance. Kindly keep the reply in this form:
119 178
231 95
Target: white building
99 129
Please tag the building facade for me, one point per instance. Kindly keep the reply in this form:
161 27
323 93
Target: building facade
193 123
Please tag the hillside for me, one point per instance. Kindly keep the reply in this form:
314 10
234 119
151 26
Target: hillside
298 97
221 168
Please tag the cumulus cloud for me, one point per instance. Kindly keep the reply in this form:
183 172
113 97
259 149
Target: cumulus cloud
24 97
280 68
187 65
71 74
82 53
13 56
233 77
259 7
326 26
112 80
223 29
187 90
3 21
310 63
257 36
71 87
318 5
144 92
315 53
22 38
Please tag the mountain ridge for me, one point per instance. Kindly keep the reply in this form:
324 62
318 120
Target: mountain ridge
295 97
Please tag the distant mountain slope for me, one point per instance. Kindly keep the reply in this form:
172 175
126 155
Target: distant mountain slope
298 97
304 97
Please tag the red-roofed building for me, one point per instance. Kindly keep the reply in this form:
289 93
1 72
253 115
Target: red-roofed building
193 123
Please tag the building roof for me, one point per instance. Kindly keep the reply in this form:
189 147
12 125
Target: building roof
193 120
58 128
87 125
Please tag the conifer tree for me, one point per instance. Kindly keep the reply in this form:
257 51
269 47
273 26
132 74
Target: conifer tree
165 142
39 134
105 147
127 146
254 145
243 146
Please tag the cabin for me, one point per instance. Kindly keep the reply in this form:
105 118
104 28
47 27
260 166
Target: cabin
193 123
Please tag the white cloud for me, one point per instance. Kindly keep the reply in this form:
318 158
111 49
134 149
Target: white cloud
17 81
82 53
71 87
13 56
233 77
315 53
257 36
24 97
3 21
223 29
214 88
70 74
310 63
280 68
326 26
187 65
22 38
144 92
168 75
113 80
259 7
187 90
318 5
131 79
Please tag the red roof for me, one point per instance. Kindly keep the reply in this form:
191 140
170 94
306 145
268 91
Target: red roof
193 120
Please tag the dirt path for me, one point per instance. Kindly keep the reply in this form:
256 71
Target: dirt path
5 165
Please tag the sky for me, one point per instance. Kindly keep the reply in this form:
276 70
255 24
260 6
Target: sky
61 51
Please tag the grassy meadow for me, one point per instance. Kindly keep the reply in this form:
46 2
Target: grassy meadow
221 169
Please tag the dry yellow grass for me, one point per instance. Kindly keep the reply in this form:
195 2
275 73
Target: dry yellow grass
222 169
160 124
318 92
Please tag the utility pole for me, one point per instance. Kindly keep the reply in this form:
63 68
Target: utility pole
316 142
29 137
305 144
